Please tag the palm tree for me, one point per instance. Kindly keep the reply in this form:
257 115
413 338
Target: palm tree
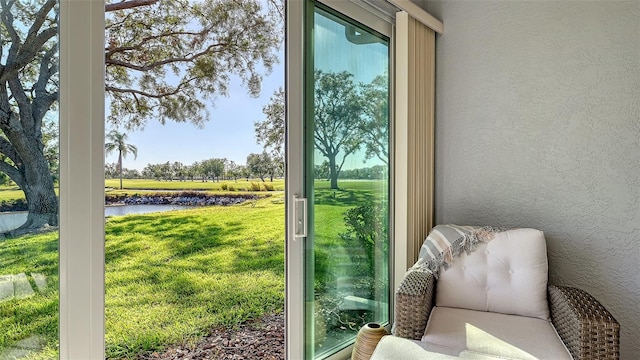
118 141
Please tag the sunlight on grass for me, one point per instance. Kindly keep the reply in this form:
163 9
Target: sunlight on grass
10 193
172 276
21 318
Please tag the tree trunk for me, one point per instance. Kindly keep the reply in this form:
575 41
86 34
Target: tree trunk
333 172
120 167
31 173
42 202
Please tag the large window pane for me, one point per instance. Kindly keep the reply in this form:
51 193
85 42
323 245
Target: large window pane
347 268
28 179
194 232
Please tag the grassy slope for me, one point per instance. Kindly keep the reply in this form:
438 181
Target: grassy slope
170 276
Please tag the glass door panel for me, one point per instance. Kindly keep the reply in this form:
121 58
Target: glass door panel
347 180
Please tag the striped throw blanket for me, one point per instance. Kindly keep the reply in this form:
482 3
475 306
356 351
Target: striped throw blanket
445 242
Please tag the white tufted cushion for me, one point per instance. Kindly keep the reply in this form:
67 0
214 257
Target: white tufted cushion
507 275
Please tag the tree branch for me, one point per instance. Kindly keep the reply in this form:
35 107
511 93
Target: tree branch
118 23
148 94
39 19
9 151
43 99
7 20
123 5
143 41
13 173
33 45
26 53
156 64
24 104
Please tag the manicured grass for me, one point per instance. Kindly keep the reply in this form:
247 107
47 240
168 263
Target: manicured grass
330 205
12 193
169 276
172 276
140 186
147 184
9 193
38 314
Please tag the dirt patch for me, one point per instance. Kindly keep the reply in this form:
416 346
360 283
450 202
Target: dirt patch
258 339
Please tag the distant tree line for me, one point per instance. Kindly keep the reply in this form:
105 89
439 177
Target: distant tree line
376 172
262 166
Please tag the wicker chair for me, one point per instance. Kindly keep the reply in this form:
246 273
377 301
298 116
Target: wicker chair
586 328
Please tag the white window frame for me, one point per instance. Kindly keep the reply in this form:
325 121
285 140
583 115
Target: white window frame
81 34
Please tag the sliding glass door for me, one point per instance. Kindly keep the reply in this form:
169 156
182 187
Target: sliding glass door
346 169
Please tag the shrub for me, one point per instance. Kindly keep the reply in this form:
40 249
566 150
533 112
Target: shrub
230 187
269 187
367 226
224 186
255 186
323 263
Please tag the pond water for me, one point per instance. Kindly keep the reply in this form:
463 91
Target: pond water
12 220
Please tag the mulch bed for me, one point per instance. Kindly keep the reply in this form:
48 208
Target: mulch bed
258 339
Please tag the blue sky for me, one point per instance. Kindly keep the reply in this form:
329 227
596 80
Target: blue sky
363 61
229 133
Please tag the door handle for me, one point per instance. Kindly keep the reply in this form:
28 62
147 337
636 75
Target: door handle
300 217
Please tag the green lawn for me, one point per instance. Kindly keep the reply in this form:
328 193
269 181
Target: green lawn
8 193
172 276
146 184
330 205
20 319
169 276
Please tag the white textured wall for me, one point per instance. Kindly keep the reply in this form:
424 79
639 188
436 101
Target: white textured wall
538 125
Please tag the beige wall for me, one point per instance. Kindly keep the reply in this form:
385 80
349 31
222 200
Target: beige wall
538 125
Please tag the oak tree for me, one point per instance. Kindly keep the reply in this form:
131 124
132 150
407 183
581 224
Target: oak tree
165 61
269 132
337 113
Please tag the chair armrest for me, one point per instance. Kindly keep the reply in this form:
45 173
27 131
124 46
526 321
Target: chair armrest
588 330
414 300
